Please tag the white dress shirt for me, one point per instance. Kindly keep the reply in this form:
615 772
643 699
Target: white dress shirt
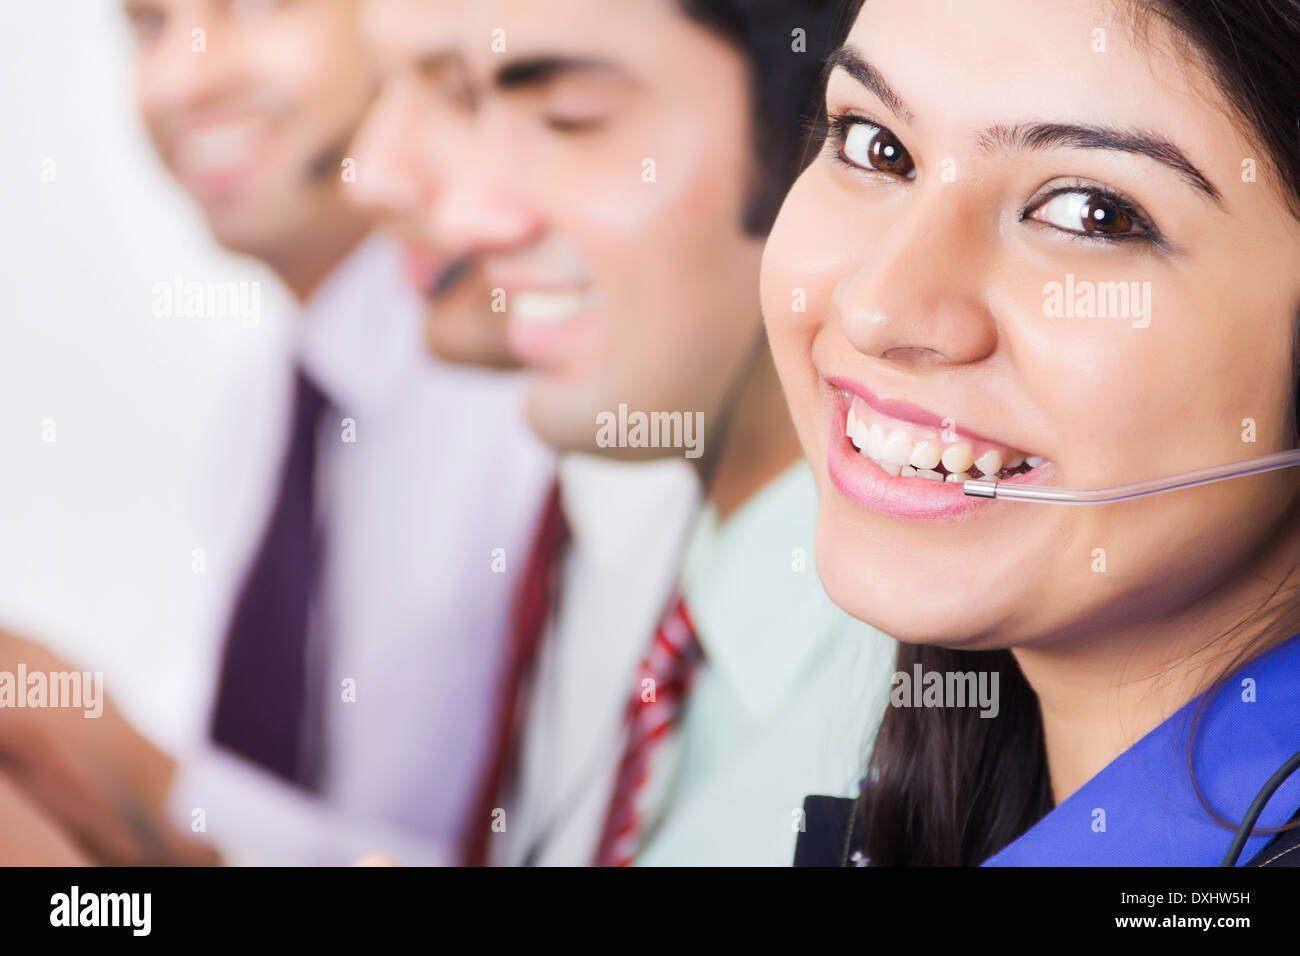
409 617
629 521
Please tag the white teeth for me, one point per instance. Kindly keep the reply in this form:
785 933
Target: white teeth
897 448
990 462
545 308
876 442
860 435
957 457
898 454
926 454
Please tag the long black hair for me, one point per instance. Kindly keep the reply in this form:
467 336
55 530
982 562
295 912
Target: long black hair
944 786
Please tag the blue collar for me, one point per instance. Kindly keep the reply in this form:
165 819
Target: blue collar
1141 810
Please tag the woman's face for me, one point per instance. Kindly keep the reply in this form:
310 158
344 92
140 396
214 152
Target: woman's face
1037 246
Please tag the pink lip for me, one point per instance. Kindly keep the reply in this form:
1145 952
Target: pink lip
908 412
423 268
549 347
860 479
217 185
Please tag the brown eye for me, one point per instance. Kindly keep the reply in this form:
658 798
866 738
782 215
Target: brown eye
1100 216
1089 212
874 147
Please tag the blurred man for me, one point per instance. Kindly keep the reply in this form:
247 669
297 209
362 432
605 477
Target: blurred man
414 131
616 541
620 164
365 643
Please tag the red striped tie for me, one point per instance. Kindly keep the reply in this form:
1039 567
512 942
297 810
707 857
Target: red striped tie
530 612
662 685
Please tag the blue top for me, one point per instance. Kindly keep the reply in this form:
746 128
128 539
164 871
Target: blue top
1141 810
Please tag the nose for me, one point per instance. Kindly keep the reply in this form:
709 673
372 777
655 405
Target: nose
483 210
916 299
389 185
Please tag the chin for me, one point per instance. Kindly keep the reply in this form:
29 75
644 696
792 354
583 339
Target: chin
235 233
459 346
903 594
566 411
556 426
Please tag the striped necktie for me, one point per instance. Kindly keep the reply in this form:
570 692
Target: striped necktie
532 608
662 685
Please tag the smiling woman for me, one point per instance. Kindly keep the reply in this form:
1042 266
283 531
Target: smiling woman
975 157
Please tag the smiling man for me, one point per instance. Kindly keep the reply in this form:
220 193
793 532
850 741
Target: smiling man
416 153
345 588
364 642
622 163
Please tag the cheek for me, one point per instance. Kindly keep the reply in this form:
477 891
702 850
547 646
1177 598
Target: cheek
802 264
151 84
632 226
1122 399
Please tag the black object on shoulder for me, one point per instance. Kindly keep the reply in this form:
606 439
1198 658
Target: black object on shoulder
827 835
1256 808
830 827
1283 851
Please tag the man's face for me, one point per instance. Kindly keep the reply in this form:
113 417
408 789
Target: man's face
417 135
250 104
603 191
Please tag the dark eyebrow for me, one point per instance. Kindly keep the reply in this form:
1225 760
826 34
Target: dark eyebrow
848 58
1028 136
1050 135
540 70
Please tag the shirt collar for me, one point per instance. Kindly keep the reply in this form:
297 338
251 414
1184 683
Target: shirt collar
609 504
359 338
764 646
1144 798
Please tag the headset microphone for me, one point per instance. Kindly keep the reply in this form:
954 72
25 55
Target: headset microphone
1011 491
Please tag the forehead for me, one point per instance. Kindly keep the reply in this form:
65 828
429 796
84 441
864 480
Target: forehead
1062 62
631 37
406 28
1015 58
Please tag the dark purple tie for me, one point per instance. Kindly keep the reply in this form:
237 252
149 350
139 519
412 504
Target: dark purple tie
262 698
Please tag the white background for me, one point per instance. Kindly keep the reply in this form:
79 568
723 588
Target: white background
97 528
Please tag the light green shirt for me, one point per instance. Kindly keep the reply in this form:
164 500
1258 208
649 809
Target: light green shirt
789 696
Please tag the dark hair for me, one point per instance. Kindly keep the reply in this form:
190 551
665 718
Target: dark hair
784 83
945 787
